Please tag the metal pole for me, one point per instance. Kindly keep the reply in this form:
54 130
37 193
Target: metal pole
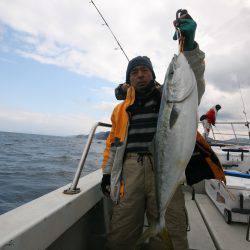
248 229
73 188
232 123
247 125
230 134
213 132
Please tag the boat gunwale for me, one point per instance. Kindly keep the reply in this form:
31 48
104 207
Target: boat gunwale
21 227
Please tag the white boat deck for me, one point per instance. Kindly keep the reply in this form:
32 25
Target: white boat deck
225 236
198 236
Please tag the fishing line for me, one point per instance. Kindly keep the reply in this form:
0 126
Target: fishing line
219 133
244 110
99 12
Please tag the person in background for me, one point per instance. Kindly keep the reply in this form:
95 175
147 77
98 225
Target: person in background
128 171
209 119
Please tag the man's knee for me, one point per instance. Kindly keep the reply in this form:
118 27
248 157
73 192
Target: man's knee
126 224
176 220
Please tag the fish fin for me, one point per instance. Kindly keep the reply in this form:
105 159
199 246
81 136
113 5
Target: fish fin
173 116
147 234
151 232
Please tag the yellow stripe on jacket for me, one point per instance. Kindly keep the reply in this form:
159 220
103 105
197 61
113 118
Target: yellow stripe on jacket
119 119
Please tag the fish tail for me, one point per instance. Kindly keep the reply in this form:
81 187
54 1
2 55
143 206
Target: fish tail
147 234
152 232
166 239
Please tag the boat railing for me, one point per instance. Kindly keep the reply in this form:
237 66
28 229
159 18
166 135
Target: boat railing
73 188
232 130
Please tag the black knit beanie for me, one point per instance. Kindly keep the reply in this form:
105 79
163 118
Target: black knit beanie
139 61
218 107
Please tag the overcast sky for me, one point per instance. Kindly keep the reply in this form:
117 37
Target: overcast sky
59 65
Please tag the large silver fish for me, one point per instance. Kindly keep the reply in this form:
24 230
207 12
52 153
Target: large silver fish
174 139
176 131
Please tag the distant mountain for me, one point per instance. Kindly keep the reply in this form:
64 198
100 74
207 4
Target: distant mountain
102 135
80 136
239 141
98 136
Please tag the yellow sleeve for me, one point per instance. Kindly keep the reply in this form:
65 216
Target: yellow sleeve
109 154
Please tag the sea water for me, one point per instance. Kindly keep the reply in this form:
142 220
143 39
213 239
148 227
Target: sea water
33 165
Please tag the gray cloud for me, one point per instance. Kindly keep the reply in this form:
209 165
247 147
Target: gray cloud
226 116
228 56
226 73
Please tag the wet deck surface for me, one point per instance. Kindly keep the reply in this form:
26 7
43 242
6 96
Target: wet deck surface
208 230
229 237
198 236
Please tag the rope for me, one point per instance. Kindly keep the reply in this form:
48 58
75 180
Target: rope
231 195
99 12
181 40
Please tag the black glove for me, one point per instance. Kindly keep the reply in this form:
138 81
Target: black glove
121 92
203 117
105 184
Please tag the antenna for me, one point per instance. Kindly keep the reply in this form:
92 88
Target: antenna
105 23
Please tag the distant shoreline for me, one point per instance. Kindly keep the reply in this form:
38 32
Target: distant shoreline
99 135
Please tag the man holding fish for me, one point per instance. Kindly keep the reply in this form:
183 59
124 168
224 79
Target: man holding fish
150 143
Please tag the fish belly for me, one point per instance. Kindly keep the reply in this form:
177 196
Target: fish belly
176 134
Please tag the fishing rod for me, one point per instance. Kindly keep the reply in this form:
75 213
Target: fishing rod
244 110
99 12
